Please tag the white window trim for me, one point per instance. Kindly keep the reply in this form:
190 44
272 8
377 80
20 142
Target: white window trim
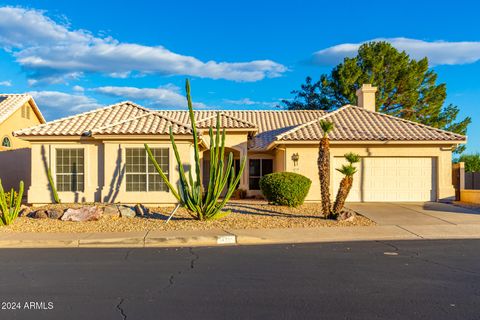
53 166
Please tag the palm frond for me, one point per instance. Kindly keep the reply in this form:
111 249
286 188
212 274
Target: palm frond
347 170
352 157
326 126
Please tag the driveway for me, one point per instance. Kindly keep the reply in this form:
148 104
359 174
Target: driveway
415 213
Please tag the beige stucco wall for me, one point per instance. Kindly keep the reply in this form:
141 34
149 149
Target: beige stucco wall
471 196
307 164
16 122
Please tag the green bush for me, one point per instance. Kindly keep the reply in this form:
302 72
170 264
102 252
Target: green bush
285 188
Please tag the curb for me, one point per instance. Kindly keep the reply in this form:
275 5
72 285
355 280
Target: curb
218 237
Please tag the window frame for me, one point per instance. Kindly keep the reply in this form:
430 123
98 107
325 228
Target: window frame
148 173
250 177
57 174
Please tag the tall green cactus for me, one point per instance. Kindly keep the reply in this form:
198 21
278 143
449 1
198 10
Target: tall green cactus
10 208
52 186
204 204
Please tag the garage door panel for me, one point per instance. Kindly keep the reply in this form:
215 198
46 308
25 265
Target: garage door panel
391 179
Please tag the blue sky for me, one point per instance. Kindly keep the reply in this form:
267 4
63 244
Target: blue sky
75 56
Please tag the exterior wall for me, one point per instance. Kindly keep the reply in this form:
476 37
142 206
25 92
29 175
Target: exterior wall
16 122
472 196
43 156
307 164
113 188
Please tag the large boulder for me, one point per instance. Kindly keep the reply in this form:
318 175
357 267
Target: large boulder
111 212
82 214
126 212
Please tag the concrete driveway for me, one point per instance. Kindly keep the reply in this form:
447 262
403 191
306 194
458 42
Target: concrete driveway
416 213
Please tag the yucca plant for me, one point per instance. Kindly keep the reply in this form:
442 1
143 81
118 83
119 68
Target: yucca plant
323 163
10 206
346 184
203 204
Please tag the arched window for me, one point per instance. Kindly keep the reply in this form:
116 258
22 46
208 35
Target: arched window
6 142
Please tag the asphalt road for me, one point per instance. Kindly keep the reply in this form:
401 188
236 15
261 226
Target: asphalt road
365 280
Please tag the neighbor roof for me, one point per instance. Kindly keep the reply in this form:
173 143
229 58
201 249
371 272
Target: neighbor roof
9 103
353 123
271 127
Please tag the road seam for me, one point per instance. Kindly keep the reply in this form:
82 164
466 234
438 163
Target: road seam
417 235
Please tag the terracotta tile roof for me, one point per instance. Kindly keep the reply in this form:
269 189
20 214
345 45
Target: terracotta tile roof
9 103
82 123
352 123
270 123
226 121
150 123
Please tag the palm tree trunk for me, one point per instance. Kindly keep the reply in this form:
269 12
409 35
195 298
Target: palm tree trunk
324 174
343 190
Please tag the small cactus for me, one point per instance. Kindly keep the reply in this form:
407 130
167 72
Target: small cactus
10 204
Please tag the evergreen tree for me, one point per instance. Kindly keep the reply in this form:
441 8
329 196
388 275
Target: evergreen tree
407 88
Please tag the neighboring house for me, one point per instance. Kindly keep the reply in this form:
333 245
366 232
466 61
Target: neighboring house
17 111
99 155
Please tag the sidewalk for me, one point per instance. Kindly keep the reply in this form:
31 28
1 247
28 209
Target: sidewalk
237 237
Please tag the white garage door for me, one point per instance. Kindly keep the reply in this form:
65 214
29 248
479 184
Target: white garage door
391 179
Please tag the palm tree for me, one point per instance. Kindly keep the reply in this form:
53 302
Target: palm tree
346 184
324 168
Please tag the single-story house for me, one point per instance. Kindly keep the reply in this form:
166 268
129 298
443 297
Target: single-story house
17 111
99 155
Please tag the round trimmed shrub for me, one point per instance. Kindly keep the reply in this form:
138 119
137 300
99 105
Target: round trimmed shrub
285 188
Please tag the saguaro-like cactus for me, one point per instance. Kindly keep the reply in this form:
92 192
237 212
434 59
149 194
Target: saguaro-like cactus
204 204
10 207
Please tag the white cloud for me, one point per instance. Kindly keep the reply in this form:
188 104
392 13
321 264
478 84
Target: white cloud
78 88
62 101
250 102
53 52
168 96
6 83
438 52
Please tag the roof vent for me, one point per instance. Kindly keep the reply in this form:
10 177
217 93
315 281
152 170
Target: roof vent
366 97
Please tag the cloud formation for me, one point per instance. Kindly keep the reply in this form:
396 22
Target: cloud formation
60 101
52 52
438 52
249 102
6 83
168 96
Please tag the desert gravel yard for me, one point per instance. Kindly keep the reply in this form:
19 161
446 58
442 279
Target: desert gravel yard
243 216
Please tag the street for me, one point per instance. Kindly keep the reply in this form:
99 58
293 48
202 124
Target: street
351 280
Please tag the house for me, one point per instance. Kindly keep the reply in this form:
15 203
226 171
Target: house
17 111
99 155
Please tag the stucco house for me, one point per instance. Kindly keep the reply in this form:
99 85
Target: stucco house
99 155
17 111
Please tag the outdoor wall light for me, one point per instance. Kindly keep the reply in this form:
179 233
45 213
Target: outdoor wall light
295 158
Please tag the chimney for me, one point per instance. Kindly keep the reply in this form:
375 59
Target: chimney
366 97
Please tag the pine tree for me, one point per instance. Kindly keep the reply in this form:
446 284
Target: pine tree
407 88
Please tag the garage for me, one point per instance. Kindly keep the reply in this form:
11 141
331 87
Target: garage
400 179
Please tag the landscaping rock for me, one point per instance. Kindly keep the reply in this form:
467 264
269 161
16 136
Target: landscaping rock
24 211
82 214
126 212
347 215
54 213
38 214
141 210
111 212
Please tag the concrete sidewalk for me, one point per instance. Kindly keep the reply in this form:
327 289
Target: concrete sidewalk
241 237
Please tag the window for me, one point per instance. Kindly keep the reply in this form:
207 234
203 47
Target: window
257 169
70 169
6 142
140 171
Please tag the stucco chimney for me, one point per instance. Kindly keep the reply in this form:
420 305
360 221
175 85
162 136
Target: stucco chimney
366 97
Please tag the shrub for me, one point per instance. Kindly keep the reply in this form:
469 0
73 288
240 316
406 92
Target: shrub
285 188
472 162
